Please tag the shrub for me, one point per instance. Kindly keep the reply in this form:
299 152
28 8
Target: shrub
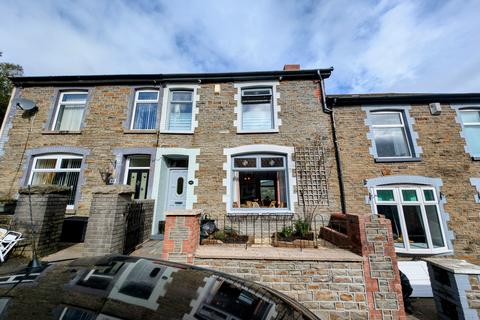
220 235
287 232
302 227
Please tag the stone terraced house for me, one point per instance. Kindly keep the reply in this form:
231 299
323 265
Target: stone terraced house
257 143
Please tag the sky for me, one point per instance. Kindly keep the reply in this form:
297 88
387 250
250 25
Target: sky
374 46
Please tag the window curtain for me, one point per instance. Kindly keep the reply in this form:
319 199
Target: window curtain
391 142
257 116
145 116
69 117
180 117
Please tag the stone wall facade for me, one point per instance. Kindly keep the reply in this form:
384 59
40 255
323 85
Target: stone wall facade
103 131
332 290
48 211
443 156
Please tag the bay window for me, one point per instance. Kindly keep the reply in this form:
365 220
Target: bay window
62 170
69 111
259 183
145 110
415 217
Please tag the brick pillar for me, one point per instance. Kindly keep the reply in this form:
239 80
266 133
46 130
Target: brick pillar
106 223
48 210
182 235
371 237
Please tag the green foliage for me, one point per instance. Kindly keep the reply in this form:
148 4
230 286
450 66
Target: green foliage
302 227
220 235
6 86
287 232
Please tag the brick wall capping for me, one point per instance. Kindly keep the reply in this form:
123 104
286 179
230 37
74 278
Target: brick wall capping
274 253
44 189
113 189
184 212
454 265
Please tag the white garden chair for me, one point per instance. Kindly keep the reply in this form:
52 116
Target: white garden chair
8 240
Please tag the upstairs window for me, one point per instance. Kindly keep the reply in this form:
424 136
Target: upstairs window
145 110
259 183
415 216
61 170
179 116
69 111
390 134
471 130
257 109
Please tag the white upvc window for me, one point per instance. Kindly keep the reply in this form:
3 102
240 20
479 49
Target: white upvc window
415 216
259 184
137 172
257 108
179 109
390 134
471 129
145 110
59 169
69 111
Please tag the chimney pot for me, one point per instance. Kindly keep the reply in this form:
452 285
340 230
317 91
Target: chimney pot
290 67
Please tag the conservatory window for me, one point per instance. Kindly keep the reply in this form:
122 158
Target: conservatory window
415 216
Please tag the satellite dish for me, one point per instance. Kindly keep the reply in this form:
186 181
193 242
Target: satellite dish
23 104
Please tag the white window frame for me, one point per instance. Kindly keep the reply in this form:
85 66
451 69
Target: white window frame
402 125
399 202
136 101
166 107
128 167
59 102
469 124
58 158
258 167
275 107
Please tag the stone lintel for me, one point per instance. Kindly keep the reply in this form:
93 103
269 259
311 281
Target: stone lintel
454 265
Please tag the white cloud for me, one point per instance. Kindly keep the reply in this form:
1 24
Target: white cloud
375 46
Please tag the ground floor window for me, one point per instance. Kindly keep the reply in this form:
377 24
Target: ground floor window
259 182
415 216
137 174
62 170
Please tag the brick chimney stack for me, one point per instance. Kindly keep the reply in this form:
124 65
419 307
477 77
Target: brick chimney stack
291 67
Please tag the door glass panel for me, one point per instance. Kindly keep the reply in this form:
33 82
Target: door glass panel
409 195
391 212
140 162
434 224
415 228
385 195
180 182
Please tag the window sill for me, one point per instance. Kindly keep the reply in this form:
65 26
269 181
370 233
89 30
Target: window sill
176 132
387 160
425 252
257 131
139 131
47 132
260 213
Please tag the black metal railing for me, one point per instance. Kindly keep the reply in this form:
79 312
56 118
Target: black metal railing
134 226
269 229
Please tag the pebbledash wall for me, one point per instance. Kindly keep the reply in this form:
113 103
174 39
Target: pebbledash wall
105 138
443 159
